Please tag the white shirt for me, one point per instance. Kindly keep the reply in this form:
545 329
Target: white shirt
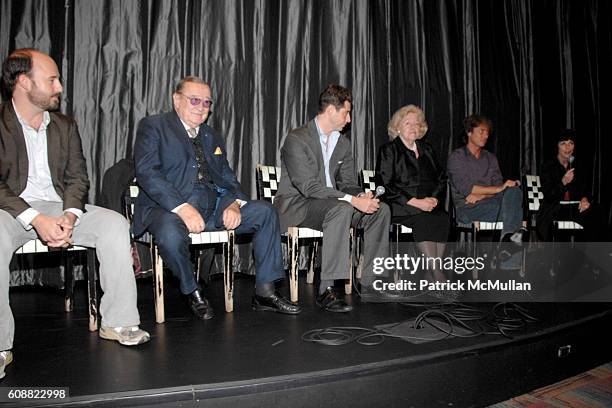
328 144
39 186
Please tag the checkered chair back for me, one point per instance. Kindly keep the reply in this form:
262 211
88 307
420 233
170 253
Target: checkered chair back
368 181
533 189
268 178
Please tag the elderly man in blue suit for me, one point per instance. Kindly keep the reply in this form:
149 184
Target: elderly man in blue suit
189 187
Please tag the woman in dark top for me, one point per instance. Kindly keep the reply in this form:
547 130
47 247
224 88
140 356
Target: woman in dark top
562 181
414 182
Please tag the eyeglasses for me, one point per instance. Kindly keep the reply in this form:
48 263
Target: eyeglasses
207 103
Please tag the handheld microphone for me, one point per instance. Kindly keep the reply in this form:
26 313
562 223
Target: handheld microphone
380 190
570 162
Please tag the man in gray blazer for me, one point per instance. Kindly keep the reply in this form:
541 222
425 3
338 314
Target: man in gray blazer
43 190
318 189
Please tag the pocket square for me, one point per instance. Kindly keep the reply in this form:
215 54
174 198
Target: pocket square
340 162
217 151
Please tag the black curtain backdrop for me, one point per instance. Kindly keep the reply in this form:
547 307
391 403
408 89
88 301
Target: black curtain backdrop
534 67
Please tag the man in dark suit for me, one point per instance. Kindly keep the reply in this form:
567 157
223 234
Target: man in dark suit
43 190
318 189
189 187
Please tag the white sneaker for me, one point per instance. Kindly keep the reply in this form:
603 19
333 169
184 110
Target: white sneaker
128 336
6 357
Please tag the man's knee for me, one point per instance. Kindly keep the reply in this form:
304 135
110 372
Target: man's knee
117 223
170 233
7 239
343 207
384 212
340 213
514 192
260 207
514 195
113 224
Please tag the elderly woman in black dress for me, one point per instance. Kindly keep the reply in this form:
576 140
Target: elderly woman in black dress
414 182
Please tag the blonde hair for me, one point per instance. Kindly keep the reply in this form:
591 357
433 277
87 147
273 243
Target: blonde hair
393 126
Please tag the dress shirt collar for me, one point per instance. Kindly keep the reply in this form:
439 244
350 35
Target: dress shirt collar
187 127
43 125
327 140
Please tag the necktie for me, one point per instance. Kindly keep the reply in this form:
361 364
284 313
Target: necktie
203 175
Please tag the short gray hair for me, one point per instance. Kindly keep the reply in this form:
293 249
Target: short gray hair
192 79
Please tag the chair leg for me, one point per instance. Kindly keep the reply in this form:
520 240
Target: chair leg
523 262
228 273
198 266
292 249
158 284
475 226
397 235
68 281
92 292
359 271
348 286
313 254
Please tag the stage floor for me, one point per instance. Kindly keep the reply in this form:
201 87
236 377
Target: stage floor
229 359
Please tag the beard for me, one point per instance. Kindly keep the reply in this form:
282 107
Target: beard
43 101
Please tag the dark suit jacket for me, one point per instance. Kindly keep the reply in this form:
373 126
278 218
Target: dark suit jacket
115 182
66 161
303 174
166 167
553 189
397 170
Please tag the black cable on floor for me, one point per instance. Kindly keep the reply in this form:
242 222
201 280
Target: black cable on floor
501 320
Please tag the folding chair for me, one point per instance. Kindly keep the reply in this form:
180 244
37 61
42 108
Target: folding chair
225 238
367 180
36 246
535 196
268 178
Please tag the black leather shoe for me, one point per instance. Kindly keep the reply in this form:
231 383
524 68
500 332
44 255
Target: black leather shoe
200 306
274 303
330 301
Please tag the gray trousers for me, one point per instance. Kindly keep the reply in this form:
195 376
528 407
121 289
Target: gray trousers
335 218
99 228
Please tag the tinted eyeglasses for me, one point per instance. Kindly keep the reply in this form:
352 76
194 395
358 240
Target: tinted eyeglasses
207 103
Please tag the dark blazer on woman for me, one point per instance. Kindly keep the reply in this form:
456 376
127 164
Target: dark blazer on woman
397 169
553 189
